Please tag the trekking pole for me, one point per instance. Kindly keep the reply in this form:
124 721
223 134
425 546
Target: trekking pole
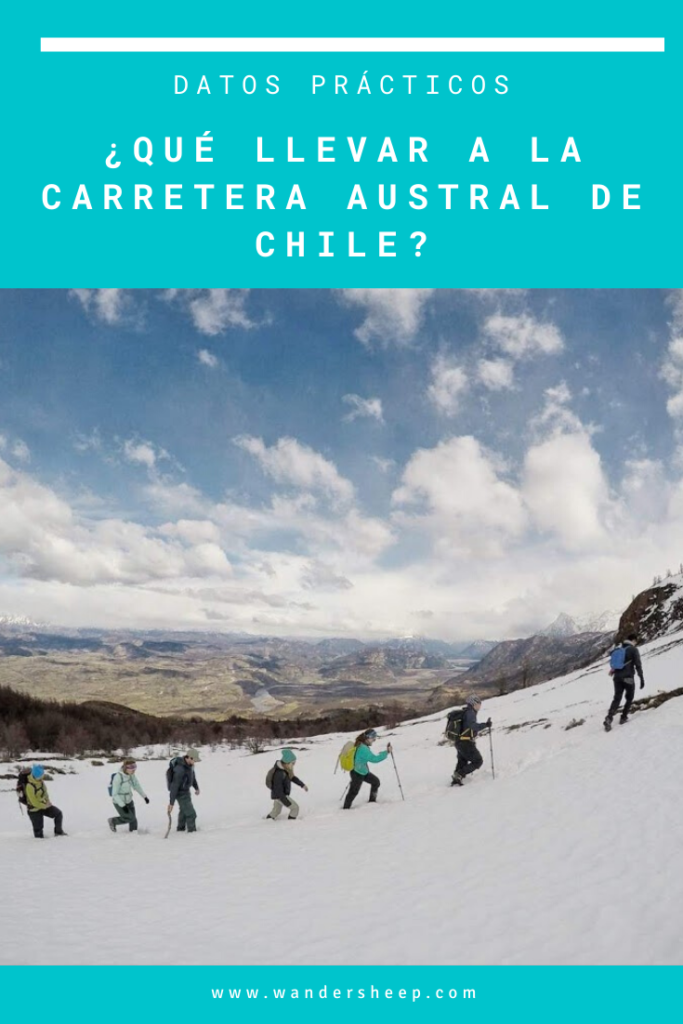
493 767
344 793
336 766
170 822
397 776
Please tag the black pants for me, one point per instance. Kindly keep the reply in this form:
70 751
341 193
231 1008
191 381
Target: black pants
355 784
37 817
622 687
125 815
469 758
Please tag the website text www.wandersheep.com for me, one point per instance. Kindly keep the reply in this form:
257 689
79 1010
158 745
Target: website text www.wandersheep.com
326 992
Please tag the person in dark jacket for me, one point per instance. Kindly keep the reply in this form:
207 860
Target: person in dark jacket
38 803
281 786
360 772
469 758
624 680
182 781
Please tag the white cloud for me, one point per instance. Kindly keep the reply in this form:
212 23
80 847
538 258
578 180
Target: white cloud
143 453
449 383
495 374
556 416
44 538
463 499
109 305
522 336
207 358
289 462
393 316
566 491
363 408
215 310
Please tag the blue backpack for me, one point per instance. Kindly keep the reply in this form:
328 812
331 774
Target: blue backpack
617 659
110 787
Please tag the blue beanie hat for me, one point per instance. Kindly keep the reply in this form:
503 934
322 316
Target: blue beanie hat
371 734
37 771
288 756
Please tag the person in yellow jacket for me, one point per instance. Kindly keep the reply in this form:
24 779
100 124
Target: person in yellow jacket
39 805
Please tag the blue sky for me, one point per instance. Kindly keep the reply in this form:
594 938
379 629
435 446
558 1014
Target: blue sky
458 464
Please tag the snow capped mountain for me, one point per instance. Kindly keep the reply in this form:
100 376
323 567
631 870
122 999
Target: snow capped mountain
567 625
516 870
13 622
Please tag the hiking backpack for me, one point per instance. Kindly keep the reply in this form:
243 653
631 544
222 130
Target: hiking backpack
22 779
110 787
617 659
347 756
454 725
269 776
170 771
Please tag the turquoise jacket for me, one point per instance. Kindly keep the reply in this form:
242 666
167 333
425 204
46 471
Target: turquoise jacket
122 788
363 755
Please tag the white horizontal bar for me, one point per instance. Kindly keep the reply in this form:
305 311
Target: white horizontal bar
351 45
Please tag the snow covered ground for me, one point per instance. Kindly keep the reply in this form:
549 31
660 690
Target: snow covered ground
571 856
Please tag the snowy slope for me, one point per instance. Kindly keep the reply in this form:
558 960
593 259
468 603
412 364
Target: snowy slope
571 856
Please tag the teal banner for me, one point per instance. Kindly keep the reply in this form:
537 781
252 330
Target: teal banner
463 168
424 994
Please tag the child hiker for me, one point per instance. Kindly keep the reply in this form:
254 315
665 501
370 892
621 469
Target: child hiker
281 786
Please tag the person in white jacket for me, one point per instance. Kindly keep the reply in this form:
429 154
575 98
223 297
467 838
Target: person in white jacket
122 785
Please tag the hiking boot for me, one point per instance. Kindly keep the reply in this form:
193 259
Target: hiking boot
292 817
623 719
269 817
607 724
112 826
58 834
457 780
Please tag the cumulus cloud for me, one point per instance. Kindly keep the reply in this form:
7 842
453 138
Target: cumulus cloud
108 305
565 489
556 414
522 336
448 385
392 315
462 496
143 453
214 310
295 464
496 374
44 538
363 408
207 358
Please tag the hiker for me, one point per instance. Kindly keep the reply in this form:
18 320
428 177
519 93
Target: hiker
38 803
181 779
469 758
123 783
360 772
281 786
625 662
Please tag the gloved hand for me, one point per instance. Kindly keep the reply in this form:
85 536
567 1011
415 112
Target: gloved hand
146 799
489 724
642 683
